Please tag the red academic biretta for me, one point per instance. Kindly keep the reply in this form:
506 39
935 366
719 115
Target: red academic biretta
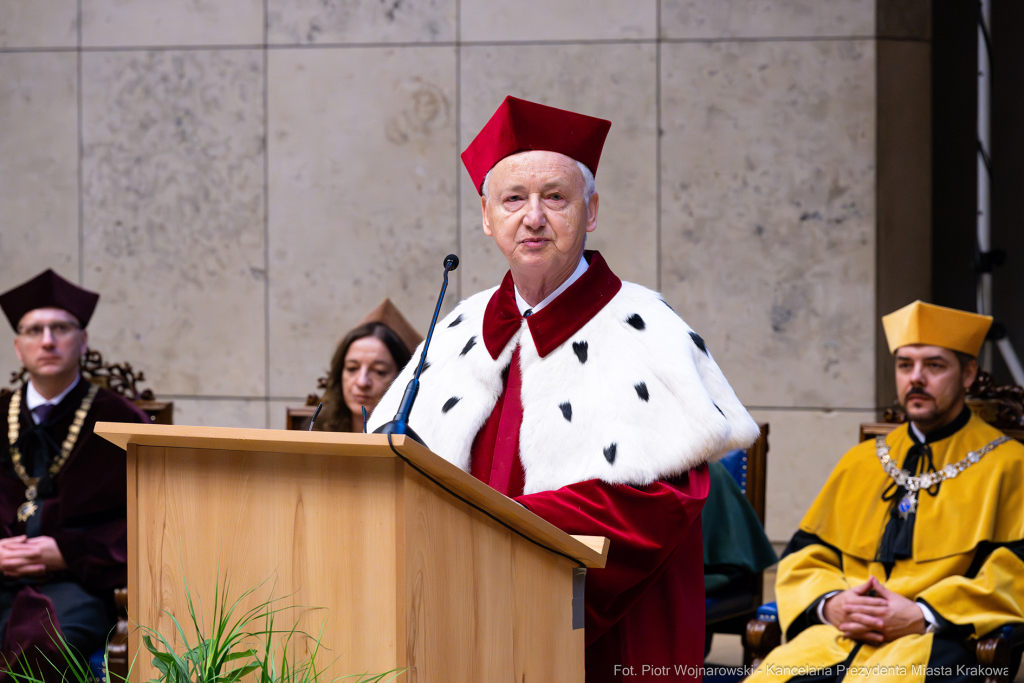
520 126
48 290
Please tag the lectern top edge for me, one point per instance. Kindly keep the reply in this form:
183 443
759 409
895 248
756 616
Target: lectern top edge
459 483
273 440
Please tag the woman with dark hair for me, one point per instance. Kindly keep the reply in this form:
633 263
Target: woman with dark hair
365 364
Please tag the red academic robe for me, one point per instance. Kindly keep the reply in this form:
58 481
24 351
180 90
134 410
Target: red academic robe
645 609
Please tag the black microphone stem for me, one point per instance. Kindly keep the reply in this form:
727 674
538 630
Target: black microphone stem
400 425
437 309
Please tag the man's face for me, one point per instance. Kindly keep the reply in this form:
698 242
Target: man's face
536 213
49 343
931 384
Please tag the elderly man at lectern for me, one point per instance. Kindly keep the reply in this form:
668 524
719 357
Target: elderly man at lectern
584 398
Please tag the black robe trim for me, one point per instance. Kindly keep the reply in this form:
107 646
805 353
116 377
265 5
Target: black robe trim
944 628
38 443
986 548
809 617
801 539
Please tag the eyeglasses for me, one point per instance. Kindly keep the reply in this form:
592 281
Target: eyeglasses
59 330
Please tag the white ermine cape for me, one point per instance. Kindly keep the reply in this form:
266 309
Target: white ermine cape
631 397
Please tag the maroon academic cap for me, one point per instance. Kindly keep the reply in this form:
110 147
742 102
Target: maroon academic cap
48 290
519 126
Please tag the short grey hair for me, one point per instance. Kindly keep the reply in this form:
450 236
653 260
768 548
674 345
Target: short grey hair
589 184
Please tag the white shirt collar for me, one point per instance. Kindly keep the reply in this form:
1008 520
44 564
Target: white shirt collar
33 399
576 275
917 432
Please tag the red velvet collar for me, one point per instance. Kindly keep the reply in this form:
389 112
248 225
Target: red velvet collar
555 323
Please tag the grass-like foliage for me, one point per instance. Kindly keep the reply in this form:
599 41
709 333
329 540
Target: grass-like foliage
75 666
240 645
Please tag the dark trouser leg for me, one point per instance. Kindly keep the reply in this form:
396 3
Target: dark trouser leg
951 661
84 618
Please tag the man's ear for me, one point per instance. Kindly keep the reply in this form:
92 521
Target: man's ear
592 212
483 210
969 373
85 343
17 351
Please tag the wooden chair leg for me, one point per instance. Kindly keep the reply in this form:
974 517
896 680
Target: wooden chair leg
760 638
117 646
994 653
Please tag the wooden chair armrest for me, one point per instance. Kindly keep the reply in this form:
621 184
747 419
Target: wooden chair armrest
760 638
117 646
994 653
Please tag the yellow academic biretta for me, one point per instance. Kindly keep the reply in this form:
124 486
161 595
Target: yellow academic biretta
921 323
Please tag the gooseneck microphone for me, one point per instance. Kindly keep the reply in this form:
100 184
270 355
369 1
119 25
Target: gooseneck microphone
400 425
315 413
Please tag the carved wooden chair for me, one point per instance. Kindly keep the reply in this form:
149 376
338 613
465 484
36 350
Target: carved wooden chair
298 417
122 379
1002 407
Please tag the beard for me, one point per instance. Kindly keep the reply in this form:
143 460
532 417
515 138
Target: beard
932 411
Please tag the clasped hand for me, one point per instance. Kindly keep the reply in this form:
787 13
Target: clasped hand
878 618
21 556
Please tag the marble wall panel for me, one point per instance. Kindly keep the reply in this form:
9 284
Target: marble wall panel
362 195
39 23
803 448
768 173
38 173
174 215
714 19
220 413
614 82
150 23
537 20
277 411
306 22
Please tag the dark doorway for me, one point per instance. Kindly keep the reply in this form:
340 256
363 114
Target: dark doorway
954 171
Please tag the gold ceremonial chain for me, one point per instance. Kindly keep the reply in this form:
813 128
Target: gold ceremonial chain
29 507
913 484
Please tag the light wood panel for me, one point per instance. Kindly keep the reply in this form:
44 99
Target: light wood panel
358 445
457 563
545 646
510 512
318 529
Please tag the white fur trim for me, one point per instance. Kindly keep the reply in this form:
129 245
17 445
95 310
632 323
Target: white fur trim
676 429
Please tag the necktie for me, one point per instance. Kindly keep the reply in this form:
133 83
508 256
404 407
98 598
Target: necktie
506 447
42 412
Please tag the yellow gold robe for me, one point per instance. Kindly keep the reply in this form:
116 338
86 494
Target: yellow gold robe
966 564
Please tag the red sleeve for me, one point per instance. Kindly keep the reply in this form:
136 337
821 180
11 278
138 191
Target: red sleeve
645 524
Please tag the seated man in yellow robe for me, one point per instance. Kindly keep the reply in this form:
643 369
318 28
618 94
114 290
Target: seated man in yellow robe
913 547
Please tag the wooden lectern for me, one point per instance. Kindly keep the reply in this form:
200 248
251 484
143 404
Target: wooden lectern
417 564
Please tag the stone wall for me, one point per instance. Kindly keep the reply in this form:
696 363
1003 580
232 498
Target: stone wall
243 179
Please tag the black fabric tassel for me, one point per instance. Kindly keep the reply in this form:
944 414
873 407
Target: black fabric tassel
898 539
38 449
38 446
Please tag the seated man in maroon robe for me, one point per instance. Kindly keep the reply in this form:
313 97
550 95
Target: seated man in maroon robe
584 398
63 531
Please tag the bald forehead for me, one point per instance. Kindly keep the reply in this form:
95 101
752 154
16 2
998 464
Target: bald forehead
535 166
